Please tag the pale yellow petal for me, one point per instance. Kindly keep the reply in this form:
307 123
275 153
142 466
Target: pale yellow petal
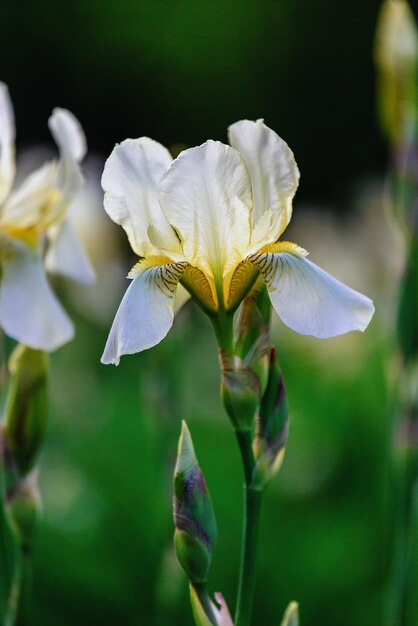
29 207
206 196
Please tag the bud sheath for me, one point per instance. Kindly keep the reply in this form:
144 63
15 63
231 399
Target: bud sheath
272 427
240 390
26 407
194 519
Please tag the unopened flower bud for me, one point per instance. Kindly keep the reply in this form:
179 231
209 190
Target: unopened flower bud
291 616
206 613
396 55
272 427
194 518
240 390
26 405
22 508
253 332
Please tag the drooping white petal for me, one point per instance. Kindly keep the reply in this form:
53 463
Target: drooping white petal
309 300
66 255
274 177
7 146
206 195
145 314
29 309
130 180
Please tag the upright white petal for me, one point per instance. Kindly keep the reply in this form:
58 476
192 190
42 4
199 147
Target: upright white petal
130 180
145 314
274 177
68 134
66 255
7 143
206 196
70 139
28 205
309 300
29 309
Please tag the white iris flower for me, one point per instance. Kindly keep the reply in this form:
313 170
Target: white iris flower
35 233
211 219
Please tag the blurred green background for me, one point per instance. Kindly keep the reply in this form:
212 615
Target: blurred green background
180 72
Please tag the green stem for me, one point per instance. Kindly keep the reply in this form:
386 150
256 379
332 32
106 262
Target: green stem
17 609
224 330
223 325
5 538
201 591
403 591
244 439
252 507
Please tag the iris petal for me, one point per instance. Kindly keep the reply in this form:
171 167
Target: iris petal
66 255
130 179
274 177
308 299
206 195
146 312
29 309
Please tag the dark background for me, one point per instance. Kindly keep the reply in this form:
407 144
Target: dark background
181 72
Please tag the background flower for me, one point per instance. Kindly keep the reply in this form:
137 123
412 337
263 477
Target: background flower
33 218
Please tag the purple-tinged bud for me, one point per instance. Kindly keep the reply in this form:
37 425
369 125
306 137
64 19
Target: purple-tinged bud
194 519
253 332
271 427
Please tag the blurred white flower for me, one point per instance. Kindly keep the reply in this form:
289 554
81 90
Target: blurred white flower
102 241
35 233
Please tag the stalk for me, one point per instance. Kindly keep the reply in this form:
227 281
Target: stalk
243 426
252 507
17 608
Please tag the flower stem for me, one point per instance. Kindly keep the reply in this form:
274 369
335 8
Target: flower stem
17 609
223 325
201 591
403 610
252 507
